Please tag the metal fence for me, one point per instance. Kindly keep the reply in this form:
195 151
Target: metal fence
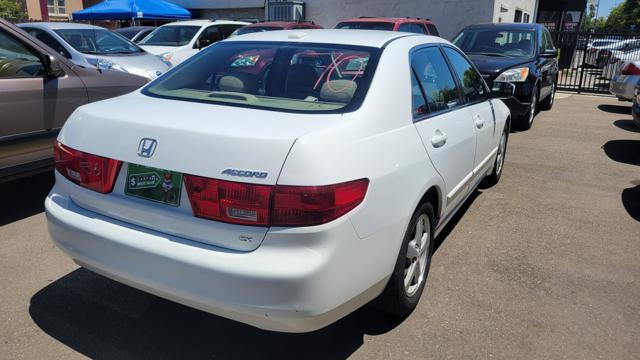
285 10
588 61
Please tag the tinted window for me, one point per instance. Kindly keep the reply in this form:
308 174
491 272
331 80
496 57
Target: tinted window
435 79
16 60
128 33
433 30
280 76
209 36
413 28
142 35
49 40
419 104
366 25
472 83
497 42
173 35
97 41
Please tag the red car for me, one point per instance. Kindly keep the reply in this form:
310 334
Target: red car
412 25
276 25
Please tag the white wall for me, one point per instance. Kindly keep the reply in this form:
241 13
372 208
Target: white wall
527 6
450 16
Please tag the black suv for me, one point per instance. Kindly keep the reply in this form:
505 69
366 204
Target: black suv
522 54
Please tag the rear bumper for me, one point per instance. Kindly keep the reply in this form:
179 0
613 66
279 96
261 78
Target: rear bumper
623 86
292 283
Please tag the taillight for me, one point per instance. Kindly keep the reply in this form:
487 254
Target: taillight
265 205
313 205
631 69
227 201
90 171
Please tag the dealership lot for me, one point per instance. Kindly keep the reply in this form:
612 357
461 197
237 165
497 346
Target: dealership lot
544 265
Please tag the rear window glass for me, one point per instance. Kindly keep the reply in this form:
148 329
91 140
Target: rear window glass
295 77
366 25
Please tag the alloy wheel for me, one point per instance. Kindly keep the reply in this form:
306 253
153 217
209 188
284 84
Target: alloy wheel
417 255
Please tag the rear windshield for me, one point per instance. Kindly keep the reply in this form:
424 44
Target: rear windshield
294 77
174 35
366 25
252 29
97 41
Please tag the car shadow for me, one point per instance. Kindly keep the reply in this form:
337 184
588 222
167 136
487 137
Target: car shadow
615 109
101 318
628 125
455 219
24 197
631 201
624 151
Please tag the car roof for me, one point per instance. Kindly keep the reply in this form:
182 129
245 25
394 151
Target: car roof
61 25
134 28
371 38
281 24
386 19
515 26
206 22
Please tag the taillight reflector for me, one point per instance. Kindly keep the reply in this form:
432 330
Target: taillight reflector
631 69
227 201
90 171
313 205
265 205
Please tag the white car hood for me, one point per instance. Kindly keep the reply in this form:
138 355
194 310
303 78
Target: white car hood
159 50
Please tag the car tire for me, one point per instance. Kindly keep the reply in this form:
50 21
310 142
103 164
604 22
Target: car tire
498 165
400 299
547 103
525 121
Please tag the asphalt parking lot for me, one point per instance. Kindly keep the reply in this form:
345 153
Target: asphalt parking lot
543 265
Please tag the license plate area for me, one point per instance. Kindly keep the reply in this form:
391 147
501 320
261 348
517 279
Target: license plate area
153 184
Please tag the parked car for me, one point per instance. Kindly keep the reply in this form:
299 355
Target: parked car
522 54
593 50
635 109
38 91
408 24
275 25
603 56
177 41
285 198
620 58
93 46
135 33
624 83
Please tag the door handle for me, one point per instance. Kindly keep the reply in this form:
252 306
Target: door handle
479 121
439 139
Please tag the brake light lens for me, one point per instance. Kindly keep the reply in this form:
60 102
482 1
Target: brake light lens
265 205
227 201
89 171
314 205
631 69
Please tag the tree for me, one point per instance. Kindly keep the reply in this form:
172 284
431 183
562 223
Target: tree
624 17
11 9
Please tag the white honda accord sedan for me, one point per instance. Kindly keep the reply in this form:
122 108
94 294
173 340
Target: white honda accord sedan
281 179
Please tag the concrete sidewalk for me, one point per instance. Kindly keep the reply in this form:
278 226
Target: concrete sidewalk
545 265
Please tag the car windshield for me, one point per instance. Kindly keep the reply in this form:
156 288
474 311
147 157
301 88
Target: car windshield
253 29
497 42
366 25
294 77
97 41
174 35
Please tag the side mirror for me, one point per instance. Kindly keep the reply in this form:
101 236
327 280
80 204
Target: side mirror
502 90
53 67
550 53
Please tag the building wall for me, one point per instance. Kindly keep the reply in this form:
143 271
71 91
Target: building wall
33 9
450 16
230 14
34 13
526 6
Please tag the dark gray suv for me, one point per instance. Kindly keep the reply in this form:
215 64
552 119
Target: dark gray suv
39 89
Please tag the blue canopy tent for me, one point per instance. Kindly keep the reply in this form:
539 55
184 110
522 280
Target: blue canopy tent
132 10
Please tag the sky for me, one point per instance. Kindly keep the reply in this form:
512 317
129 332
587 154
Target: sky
606 5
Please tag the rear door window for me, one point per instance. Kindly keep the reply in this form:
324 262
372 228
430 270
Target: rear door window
435 79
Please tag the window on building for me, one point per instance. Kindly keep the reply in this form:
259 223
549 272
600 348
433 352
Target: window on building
518 17
526 18
56 7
